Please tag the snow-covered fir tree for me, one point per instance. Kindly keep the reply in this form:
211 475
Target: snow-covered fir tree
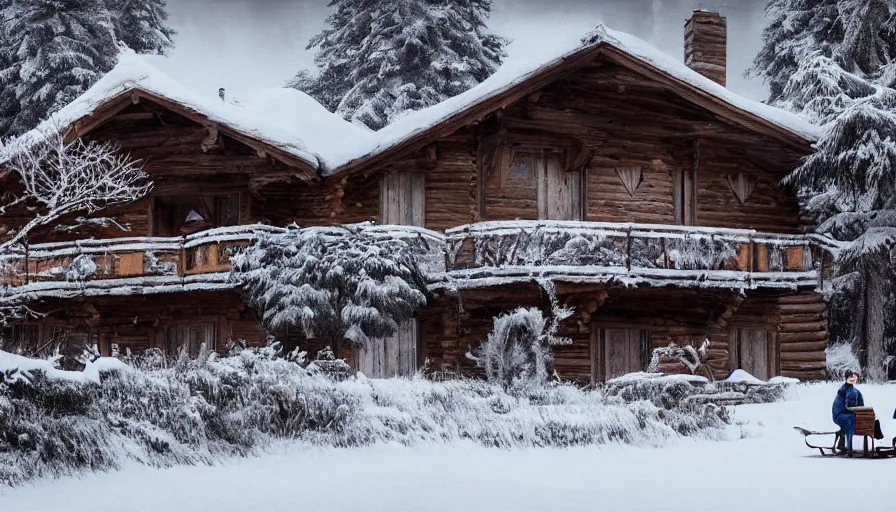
797 29
832 62
379 59
9 69
142 25
60 48
333 283
54 50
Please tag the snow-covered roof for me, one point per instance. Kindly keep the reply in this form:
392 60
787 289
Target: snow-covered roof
283 119
521 68
295 124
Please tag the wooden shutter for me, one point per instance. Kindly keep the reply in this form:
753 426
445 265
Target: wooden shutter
684 197
559 191
403 199
402 202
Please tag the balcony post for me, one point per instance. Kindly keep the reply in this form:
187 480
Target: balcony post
27 271
628 251
665 254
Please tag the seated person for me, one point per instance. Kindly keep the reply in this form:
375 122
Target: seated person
847 396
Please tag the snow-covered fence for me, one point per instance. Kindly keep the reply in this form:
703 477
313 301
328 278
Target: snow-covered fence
624 247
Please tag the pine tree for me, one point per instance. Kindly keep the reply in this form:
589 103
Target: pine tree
9 70
379 59
864 49
334 283
141 25
54 50
799 28
61 47
834 66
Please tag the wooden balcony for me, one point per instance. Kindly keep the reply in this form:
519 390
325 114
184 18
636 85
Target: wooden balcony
493 253
151 265
485 254
123 266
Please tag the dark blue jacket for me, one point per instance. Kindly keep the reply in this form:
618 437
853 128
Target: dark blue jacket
847 396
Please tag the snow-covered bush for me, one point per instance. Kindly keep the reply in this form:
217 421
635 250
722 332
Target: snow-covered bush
334 283
204 410
841 359
678 359
517 353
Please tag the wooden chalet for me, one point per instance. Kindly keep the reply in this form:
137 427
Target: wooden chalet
648 194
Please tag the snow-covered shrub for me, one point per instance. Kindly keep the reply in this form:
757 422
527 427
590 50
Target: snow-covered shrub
517 353
335 283
678 359
201 411
840 359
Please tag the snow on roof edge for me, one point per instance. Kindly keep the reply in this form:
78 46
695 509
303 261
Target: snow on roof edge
134 74
292 132
421 121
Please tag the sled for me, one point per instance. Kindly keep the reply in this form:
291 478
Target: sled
867 426
826 451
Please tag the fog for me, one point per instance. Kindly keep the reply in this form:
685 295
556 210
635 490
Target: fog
244 45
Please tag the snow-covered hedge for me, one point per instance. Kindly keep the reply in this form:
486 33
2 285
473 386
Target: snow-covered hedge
202 411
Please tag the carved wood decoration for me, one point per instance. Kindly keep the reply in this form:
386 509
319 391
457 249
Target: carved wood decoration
631 177
743 186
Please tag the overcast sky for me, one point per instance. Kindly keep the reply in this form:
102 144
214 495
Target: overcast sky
245 45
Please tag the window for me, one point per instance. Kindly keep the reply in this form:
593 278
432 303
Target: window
182 214
189 337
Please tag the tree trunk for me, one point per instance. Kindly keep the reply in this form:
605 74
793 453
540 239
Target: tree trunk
876 291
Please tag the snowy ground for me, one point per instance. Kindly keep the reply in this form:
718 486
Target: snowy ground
764 467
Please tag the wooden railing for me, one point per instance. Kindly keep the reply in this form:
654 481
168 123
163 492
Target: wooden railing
632 246
88 260
667 253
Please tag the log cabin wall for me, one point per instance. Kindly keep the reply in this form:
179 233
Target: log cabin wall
139 322
639 145
182 157
723 175
452 326
336 201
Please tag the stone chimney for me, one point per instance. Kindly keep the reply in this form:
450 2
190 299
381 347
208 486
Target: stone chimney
706 45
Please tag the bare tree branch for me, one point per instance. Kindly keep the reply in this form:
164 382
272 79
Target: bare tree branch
61 178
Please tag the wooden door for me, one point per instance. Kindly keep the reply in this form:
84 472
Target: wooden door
403 199
621 351
754 354
559 190
391 357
